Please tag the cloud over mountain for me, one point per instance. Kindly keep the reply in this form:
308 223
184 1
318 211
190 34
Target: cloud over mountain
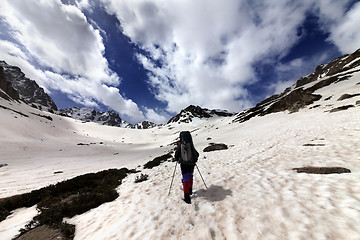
206 53
198 50
68 52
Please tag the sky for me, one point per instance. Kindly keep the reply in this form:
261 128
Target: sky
148 59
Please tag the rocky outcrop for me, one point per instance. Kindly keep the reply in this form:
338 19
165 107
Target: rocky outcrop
302 93
215 147
28 90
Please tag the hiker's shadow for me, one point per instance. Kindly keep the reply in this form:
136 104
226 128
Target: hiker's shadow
214 193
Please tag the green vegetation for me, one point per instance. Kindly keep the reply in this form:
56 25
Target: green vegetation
157 161
67 199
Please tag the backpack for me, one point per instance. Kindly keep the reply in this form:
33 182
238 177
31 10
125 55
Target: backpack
187 150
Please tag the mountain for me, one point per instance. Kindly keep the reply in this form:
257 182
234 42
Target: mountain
188 114
305 91
15 85
27 89
254 189
109 118
144 125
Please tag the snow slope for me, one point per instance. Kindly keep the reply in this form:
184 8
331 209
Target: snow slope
253 192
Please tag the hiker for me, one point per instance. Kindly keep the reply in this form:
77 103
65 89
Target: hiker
187 156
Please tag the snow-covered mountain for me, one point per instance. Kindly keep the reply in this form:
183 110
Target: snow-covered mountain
17 86
254 190
188 114
109 118
27 89
305 91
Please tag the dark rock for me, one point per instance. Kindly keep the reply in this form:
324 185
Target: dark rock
328 98
157 161
215 147
314 144
342 108
346 96
3 165
83 144
43 116
322 170
316 106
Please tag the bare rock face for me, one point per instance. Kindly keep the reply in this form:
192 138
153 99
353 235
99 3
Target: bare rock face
28 90
294 101
6 86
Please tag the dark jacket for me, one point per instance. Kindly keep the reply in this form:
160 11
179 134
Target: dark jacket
194 153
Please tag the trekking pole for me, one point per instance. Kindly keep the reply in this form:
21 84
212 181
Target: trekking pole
172 179
201 176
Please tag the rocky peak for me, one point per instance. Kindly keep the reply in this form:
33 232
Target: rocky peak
27 89
188 114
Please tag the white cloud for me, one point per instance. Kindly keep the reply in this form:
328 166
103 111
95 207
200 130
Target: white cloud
207 49
62 41
197 52
345 34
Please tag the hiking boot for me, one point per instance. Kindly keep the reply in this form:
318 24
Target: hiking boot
190 191
187 198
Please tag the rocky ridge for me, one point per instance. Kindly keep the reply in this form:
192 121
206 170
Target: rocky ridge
28 90
302 93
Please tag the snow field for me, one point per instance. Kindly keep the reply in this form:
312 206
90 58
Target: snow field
253 192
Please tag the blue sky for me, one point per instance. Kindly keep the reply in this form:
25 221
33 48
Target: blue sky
148 59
